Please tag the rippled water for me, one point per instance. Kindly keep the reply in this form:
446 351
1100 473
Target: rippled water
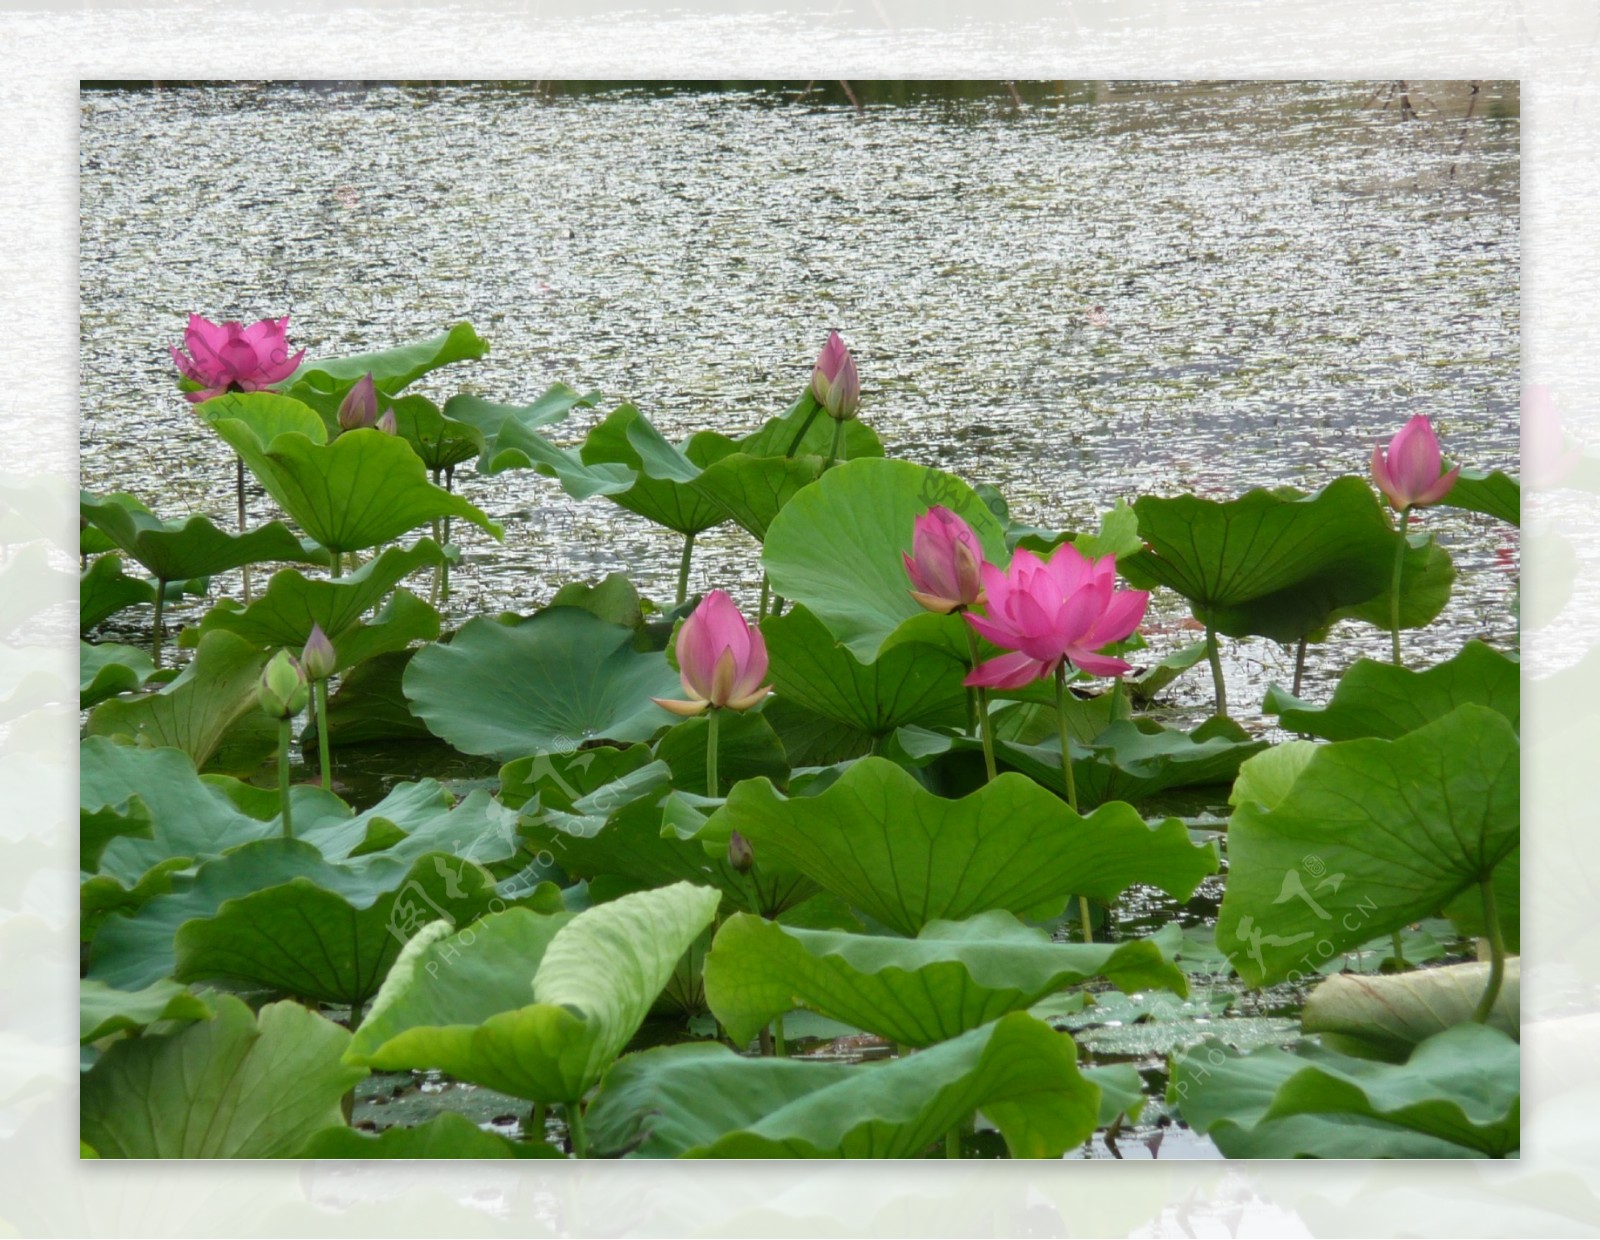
1286 270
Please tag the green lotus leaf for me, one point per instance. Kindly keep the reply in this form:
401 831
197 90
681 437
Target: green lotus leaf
508 432
954 976
836 546
747 748
810 739
370 704
1381 699
536 1007
752 490
1458 1095
1271 563
1118 533
879 840
909 683
392 370
705 1101
614 600
661 491
97 828
108 669
548 683
104 1010
441 442
362 489
1364 837
1427 577
197 710
560 780
444 1136
178 550
1496 493
236 1086
1384 1016
292 603
805 418
104 589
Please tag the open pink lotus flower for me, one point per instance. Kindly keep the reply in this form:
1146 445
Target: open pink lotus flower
1408 474
721 658
834 382
944 563
229 357
1049 611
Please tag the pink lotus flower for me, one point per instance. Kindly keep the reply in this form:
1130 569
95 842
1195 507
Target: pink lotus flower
1049 611
1409 473
944 563
721 658
834 382
1547 459
229 357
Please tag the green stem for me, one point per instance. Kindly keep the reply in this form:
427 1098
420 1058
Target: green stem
338 564
766 588
356 1010
1497 950
711 752
1219 687
1119 707
433 592
683 568
985 727
805 425
1394 587
239 489
779 1049
575 1134
535 1125
838 443
1399 949
952 1143
1299 665
320 692
285 727
1066 770
156 630
777 604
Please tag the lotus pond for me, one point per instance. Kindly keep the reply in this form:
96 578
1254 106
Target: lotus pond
1082 720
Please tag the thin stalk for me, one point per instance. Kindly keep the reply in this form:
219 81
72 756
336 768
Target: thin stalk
535 1125
838 443
1497 950
319 692
711 752
575 1134
952 1143
157 629
777 604
1399 949
683 568
338 564
356 1011
1119 707
1394 588
766 590
1072 787
239 491
1299 665
433 592
779 1049
985 726
1219 687
285 727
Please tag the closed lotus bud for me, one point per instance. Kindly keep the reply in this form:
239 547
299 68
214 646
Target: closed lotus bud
282 689
387 423
834 382
740 855
360 405
318 659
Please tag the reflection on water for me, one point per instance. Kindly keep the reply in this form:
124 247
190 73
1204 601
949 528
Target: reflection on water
1284 273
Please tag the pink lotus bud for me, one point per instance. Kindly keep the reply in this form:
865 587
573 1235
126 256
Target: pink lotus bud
360 405
741 857
318 658
387 423
229 357
944 563
834 382
1409 473
722 659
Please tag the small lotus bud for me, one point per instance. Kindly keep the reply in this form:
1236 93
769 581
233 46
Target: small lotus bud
834 382
387 423
360 405
318 659
740 855
282 690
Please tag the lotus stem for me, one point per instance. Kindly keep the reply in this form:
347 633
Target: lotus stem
1066 770
766 588
320 693
1399 949
683 568
433 591
156 629
1299 665
285 728
1394 587
338 563
780 1049
985 726
777 604
838 443
1119 707
535 1124
356 1010
239 491
711 752
575 1134
1219 687
1497 950
952 1143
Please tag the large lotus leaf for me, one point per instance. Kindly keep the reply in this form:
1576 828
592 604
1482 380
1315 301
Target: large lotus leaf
1495 493
475 1015
836 546
505 430
661 491
391 369
1384 1016
777 436
441 442
559 780
1270 563
705 1101
910 683
549 683
1381 699
444 1136
370 704
284 613
769 888
1458 1095
108 669
97 828
747 748
614 599
1364 837
1427 577
176 551
216 691
104 589
879 840
952 977
810 739
753 489
235 1086
104 1010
